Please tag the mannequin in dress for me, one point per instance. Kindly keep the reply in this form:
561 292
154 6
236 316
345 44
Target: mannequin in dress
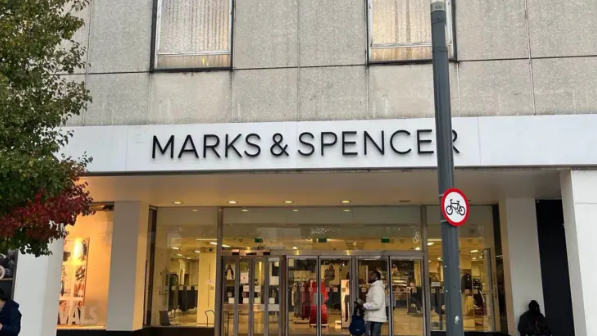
319 300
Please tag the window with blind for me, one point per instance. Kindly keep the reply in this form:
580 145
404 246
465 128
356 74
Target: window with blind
193 34
400 30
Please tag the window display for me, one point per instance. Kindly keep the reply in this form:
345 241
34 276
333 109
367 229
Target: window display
72 309
83 300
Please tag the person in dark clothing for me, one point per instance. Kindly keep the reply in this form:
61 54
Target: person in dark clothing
10 316
533 323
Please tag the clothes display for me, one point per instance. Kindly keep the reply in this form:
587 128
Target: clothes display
318 299
229 273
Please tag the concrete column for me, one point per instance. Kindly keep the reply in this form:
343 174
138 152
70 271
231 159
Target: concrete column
579 200
522 264
127 266
206 287
37 290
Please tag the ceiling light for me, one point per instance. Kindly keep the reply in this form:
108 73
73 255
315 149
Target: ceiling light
295 210
288 202
180 255
430 243
232 202
214 243
346 210
417 249
295 248
245 210
177 202
188 258
175 248
195 210
440 259
474 258
345 201
474 251
226 246
197 251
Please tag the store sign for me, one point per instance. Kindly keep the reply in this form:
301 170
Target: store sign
77 315
252 145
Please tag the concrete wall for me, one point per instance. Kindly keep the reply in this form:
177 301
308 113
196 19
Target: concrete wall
306 60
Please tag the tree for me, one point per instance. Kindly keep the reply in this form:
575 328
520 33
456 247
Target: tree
40 192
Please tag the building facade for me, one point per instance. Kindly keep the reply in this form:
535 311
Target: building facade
253 160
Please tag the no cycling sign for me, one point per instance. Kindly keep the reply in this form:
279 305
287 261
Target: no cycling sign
455 207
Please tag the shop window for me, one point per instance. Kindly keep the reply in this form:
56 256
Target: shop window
400 30
193 34
477 269
371 228
85 273
8 268
183 286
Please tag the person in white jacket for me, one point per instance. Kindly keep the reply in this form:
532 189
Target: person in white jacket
375 307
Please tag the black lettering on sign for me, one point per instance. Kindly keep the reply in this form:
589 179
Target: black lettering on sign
252 144
308 144
346 143
324 143
184 150
157 145
213 146
381 149
230 145
397 133
421 141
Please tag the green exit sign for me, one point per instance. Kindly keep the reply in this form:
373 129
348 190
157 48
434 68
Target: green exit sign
385 240
258 240
322 240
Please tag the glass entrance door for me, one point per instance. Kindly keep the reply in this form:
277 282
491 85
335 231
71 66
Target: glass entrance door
322 290
251 296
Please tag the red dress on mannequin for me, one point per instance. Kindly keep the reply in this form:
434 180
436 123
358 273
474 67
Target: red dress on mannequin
321 303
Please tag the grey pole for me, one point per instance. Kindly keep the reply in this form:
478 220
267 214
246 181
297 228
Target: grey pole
445 167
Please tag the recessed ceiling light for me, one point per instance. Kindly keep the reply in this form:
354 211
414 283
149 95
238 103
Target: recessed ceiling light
430 243
345 201
245 210
474 258
295 248
188 258
440 259
295 210
474 251
197 251
288 202
175 248
417 249
177 202
214 243
180 255
226 246
195 210
346 210
232 202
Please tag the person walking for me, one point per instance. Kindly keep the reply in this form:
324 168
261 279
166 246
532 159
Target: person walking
375 306
10 316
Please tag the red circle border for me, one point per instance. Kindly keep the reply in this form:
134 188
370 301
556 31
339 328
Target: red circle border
458 191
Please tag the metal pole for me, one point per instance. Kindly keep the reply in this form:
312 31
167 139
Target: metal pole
445 167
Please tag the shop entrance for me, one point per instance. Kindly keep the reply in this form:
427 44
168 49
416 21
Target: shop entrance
305 294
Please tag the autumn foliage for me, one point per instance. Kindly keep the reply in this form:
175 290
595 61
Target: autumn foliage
40 191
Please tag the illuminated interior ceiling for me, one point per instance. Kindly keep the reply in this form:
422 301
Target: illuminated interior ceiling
321 188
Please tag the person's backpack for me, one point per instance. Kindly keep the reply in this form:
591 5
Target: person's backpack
357 323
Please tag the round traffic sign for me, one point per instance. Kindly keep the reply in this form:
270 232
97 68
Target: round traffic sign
455 207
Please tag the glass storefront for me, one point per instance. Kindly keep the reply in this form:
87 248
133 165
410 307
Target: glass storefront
285 271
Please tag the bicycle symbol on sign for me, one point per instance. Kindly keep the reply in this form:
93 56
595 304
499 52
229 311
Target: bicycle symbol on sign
455 206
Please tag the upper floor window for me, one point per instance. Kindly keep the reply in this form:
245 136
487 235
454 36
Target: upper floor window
400 30
193 34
